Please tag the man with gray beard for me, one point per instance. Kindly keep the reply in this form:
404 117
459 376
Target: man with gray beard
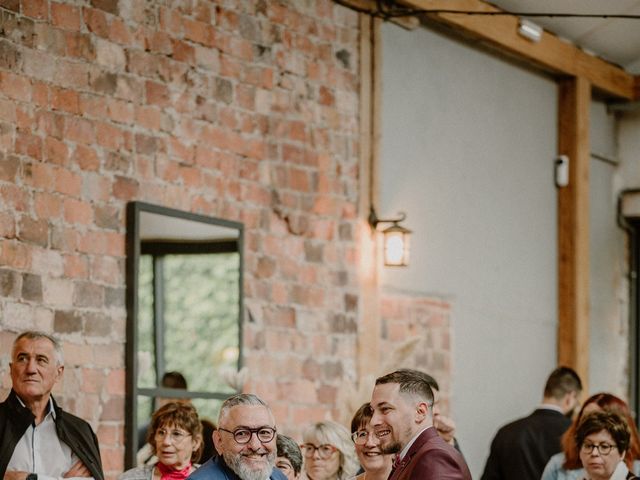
245 441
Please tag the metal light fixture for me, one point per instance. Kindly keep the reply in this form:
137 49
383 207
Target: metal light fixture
396 239
530 30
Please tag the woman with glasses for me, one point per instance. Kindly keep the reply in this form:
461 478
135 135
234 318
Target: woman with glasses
175 436
566 465
376 466
328 452
603 440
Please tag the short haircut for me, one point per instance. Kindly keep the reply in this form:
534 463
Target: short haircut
411 381
178 414
609 421
240 399
290 450
609 403
36 335
561 381
433 383
332 433
174 380
362 417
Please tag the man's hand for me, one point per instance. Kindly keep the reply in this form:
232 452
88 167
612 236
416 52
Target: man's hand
15 475
446 427
77 470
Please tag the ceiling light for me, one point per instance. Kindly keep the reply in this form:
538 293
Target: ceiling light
530 30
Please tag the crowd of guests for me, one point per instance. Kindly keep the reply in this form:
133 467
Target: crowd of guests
399 434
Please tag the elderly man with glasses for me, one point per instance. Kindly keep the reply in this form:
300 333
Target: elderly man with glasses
245 441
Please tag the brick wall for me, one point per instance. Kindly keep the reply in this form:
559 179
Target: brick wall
416 333
244 110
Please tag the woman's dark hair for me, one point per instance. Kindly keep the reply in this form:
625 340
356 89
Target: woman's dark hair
608 403
289 449
609 421
178 414
362 417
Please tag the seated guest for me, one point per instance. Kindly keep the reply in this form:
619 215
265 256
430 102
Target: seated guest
245 441
566 465
38 437
328 452
603 440
289 457
175 436
375 464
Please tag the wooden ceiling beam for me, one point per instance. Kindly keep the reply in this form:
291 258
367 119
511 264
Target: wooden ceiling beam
500 32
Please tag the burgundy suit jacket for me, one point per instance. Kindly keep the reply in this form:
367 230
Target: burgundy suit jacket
431 458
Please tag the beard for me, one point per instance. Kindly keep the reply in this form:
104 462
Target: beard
392 448
238 464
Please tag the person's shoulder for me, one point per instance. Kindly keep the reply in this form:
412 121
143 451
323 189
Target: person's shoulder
208 469
276 474
137 473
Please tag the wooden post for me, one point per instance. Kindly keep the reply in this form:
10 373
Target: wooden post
573 227
369 334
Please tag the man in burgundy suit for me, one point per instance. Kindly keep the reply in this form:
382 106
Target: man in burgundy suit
402 404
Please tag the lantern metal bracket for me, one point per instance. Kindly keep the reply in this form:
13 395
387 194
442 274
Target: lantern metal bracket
374 220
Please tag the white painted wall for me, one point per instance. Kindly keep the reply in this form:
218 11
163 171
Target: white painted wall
468 142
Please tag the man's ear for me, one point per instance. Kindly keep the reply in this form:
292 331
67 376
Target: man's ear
422 411
217 441
59 371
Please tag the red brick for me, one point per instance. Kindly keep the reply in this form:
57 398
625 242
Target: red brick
56 151
110 435
125 188
119 32
148 117
79 130
157 94
120 111
30 145
109 136
86 158
96 21
199 32
65 16
68 182
15 86
76 267
80 45
33 231
47 205
40 94
106 269
77 212
14 254
37 9
116 382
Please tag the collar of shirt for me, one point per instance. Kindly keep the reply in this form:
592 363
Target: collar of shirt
52 410
406 448
550 406
621 471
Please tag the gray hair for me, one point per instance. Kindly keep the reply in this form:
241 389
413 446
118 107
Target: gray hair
37 335
335 434
240 399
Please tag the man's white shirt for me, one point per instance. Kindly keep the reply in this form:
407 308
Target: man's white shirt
41 451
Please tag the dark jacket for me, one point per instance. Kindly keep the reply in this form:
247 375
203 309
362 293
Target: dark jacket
73 431
522 448
431 458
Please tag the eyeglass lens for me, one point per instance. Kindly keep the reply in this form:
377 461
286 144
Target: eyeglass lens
603 448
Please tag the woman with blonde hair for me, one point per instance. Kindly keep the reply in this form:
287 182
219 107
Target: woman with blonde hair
328 452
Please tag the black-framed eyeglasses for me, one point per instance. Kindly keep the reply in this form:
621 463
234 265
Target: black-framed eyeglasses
243 435
360 437
324 451
603 448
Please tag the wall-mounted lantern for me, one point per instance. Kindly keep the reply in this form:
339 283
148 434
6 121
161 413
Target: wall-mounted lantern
396 239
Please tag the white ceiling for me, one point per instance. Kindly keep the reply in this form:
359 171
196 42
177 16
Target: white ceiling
614 39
